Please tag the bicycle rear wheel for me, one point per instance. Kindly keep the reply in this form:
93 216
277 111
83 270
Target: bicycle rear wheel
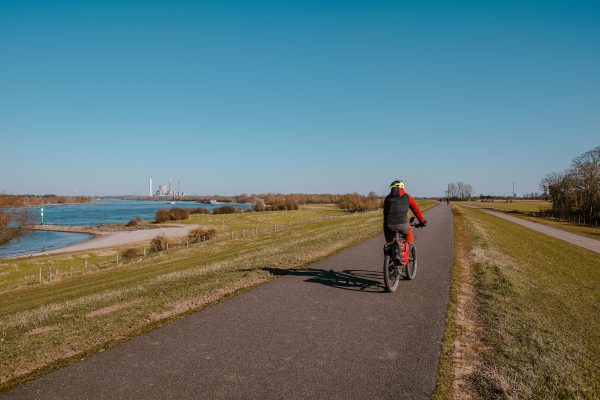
411 268
391 274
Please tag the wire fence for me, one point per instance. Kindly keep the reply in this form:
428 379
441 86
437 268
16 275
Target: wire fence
48 274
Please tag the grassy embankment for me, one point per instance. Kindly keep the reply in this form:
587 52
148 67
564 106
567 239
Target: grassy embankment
525 208
44 326
523 315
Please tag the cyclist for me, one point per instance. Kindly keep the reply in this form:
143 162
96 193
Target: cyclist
395 213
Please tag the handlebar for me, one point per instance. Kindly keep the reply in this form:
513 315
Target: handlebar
418 224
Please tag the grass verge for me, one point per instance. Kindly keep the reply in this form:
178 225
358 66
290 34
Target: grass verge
535 300
525 208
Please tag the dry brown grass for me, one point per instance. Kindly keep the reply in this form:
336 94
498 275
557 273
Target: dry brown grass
110 309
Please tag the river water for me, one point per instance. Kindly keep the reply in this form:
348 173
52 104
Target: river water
108 211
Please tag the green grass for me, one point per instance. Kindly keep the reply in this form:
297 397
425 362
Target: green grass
522 206
537 303
44 326
525 208
584 230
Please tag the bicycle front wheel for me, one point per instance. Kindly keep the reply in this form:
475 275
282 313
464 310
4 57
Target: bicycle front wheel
391 275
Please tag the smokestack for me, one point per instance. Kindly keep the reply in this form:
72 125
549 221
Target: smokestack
150 192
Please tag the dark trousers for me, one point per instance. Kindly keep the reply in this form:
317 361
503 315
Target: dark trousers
405 230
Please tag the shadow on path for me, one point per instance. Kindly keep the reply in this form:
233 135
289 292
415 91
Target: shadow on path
349 279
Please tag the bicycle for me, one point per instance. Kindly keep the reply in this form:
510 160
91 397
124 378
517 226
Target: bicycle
393 267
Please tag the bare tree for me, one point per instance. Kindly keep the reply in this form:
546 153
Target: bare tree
460 191
13 224
452 191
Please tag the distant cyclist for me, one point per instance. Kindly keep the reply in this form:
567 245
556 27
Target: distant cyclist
395 213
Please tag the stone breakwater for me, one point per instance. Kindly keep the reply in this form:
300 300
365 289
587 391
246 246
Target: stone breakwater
92 229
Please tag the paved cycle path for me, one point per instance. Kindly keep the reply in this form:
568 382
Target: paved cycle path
327 332
577 240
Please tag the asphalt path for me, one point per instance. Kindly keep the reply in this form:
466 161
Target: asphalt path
327 332
577 240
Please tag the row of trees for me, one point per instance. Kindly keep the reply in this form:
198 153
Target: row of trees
268 198
576 190
459 191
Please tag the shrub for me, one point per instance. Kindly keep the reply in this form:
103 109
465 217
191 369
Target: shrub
162 215
356 203
178 214
174 214
135 221
259 204
225 210
202 234
287 204
159 243
200 210
130 253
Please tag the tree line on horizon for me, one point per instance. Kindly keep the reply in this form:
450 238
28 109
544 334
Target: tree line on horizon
575 191
351 202
28 200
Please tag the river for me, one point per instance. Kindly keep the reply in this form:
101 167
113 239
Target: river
106 211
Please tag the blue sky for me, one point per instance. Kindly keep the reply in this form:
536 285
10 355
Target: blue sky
306 96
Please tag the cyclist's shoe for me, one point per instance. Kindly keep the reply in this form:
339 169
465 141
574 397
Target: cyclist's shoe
388 249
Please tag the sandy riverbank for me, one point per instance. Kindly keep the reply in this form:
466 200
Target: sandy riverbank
93 229
121 238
